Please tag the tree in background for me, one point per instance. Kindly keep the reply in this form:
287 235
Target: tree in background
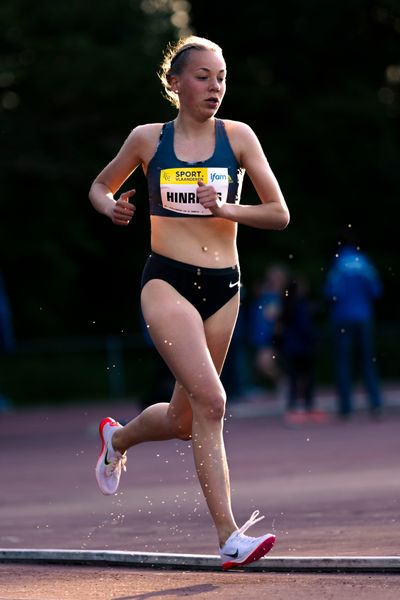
74 77
319 81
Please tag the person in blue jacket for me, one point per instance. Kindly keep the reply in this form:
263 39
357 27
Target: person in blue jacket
264 313
352 286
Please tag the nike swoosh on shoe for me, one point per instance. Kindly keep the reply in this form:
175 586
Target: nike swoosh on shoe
234 555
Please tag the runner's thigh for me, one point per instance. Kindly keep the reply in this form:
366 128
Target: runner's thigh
178 333
219 329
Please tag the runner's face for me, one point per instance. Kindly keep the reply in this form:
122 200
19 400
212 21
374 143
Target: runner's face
202 83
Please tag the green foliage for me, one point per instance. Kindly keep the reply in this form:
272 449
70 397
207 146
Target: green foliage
75 78
310 77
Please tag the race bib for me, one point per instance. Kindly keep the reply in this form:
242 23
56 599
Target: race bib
179 188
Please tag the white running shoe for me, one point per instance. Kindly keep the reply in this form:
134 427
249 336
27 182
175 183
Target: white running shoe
240 549
110 462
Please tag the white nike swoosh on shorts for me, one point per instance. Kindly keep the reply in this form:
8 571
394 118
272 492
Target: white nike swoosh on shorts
231 285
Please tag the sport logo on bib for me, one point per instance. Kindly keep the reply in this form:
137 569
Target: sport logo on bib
178 188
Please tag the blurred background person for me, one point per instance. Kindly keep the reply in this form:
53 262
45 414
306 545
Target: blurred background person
7 339
297 344
264 311
352 286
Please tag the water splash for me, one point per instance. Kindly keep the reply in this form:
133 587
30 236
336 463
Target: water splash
115 518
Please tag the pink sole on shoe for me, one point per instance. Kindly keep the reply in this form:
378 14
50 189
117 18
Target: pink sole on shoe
258 553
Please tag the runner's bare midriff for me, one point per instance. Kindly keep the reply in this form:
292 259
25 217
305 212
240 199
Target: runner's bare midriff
201 241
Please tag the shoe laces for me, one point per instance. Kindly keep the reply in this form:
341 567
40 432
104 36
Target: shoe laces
252 521
118 462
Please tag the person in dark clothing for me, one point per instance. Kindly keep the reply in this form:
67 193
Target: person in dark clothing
297 337
7 338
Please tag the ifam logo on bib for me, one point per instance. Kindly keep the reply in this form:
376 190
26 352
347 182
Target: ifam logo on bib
178 188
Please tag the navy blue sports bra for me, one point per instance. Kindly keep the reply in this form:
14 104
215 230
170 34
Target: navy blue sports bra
172 183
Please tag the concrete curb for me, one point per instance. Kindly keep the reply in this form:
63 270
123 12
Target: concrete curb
311 564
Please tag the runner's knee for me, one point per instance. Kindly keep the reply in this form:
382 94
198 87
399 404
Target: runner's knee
210 406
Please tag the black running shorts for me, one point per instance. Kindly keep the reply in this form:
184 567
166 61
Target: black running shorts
207 289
